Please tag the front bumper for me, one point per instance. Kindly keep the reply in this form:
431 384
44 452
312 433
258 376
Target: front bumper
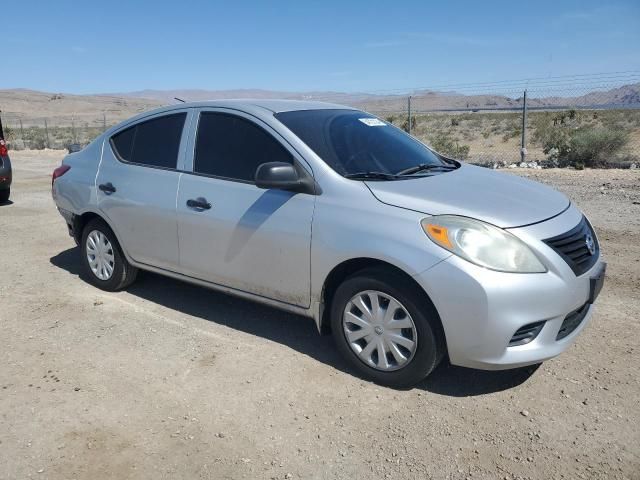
482 309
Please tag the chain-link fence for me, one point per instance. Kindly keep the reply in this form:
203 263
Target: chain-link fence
23 132
578 120
592 125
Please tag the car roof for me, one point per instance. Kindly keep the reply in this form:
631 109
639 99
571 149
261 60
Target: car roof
282 105
255 106
273 105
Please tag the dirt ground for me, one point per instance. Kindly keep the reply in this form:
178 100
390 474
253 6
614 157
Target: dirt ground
169 380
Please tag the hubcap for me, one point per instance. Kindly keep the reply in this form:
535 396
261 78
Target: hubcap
379 330
100 255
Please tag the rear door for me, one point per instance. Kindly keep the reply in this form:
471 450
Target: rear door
241 236
138 183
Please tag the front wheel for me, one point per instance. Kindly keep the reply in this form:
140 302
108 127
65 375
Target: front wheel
386 328
104 263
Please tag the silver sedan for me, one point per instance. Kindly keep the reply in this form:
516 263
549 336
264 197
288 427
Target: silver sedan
404 255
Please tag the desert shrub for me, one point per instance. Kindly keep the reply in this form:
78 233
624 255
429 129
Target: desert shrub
548 134
9 133
594 146
37 143
448 146
555 142
455 122
34 138
582 147
514 132
390 118
405 124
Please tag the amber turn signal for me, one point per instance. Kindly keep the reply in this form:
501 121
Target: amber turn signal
438 234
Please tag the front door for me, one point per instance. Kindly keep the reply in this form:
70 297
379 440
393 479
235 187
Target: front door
233 233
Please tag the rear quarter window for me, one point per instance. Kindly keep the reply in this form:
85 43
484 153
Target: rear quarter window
123 143
153 143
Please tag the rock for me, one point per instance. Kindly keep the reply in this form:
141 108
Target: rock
524 413
633 166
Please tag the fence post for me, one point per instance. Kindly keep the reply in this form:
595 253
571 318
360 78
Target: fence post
409 110
46 132
523 141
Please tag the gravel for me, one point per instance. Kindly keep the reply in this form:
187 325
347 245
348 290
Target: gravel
165 368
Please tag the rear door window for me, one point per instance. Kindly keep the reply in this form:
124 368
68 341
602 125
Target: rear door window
232 147
154 143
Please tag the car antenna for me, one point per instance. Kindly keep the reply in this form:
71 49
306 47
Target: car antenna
179 99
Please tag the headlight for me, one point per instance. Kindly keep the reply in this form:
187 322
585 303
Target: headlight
482 244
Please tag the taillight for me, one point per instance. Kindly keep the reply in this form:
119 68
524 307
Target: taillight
58 172
4 152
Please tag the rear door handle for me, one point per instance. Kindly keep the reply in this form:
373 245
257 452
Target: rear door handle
199 203
107 188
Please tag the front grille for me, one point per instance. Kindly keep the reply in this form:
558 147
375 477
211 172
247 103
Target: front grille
526 334
573 247
571 321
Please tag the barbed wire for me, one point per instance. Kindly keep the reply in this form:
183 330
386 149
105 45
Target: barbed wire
577 80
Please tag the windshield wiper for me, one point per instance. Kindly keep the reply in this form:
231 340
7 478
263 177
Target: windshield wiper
372 176
425 166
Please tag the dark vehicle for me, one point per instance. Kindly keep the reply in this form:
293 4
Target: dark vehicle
5 169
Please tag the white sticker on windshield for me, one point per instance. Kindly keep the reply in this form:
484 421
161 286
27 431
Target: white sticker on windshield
372 122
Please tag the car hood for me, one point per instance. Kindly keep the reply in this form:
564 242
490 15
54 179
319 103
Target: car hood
504 200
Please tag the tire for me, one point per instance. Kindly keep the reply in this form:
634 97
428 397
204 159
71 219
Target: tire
4 195
120 273
414 305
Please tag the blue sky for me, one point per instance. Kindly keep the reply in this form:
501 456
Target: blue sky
91 47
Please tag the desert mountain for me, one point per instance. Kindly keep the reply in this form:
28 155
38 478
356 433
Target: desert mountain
30 105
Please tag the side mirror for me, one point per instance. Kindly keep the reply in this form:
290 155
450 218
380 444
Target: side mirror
278 175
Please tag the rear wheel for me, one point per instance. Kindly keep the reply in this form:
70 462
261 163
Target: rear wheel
4 195
386 327
104 263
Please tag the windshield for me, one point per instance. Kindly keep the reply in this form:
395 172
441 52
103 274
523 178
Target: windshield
354 142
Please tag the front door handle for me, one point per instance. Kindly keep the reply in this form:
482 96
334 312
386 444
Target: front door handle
199 203
107 188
